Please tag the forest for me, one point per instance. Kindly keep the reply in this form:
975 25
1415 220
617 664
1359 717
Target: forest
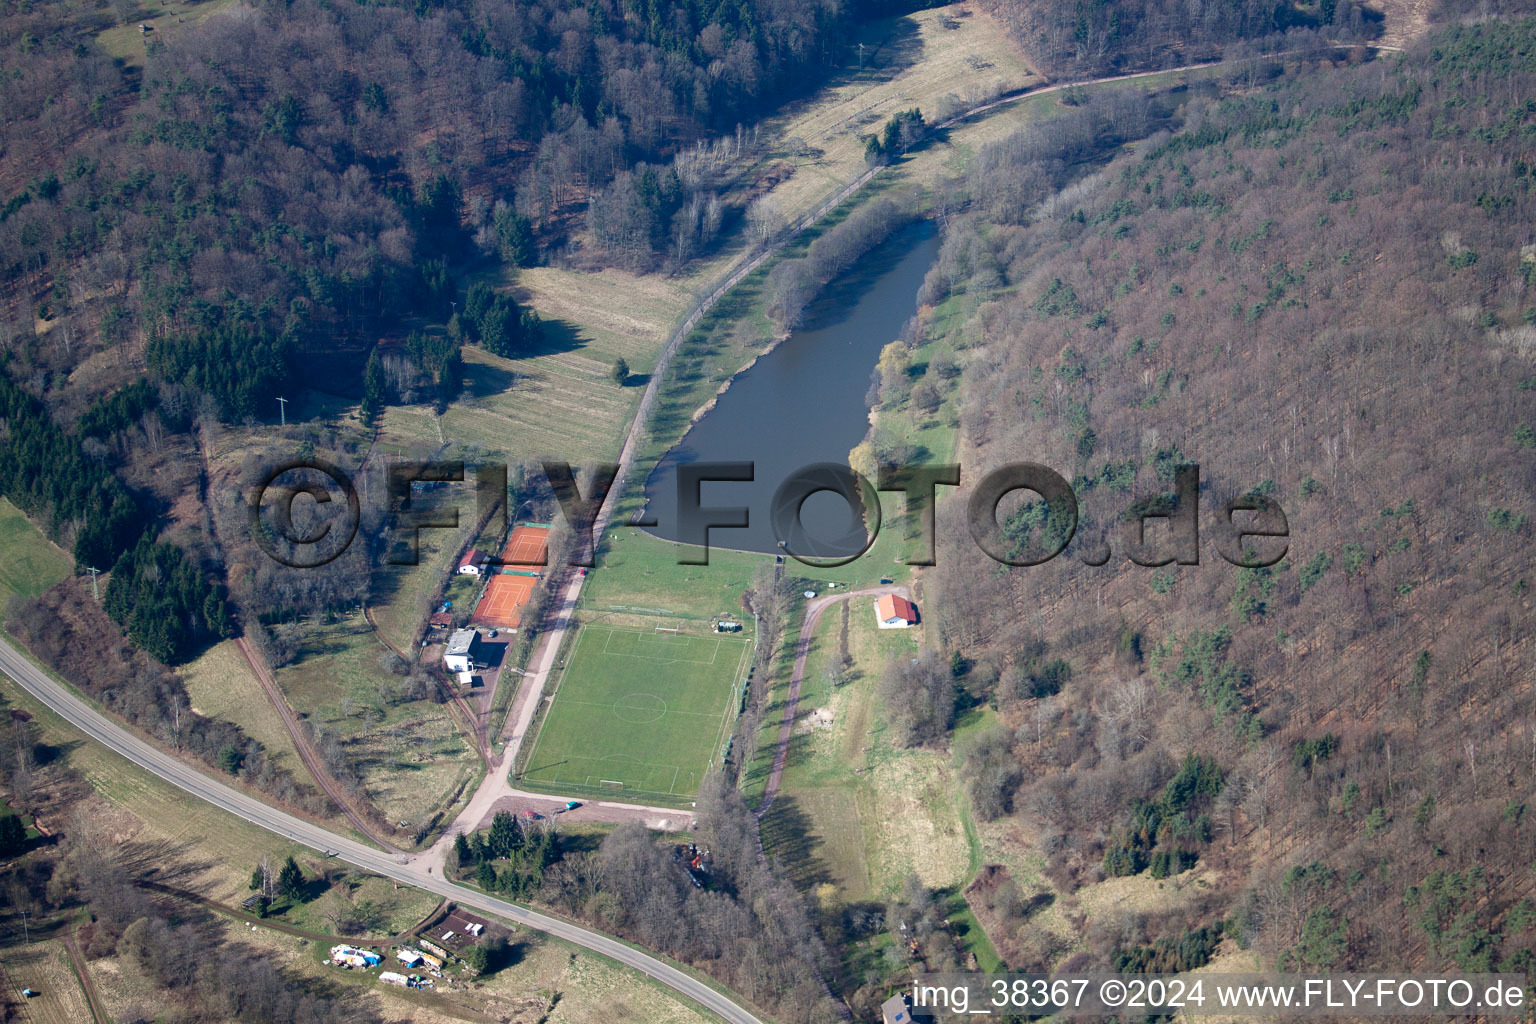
164 599
750 929
277 186
49 476
1085 38
1319 289
166 602
1316 285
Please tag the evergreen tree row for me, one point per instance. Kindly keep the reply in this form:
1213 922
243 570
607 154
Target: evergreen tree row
901 133
165 601
527 856
438 357
496 322
119 410
241 365
47 475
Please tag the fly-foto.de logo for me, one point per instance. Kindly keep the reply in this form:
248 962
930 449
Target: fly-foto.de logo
305 513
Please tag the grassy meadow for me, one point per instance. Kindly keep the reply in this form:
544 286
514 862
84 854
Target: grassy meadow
29 562
411 757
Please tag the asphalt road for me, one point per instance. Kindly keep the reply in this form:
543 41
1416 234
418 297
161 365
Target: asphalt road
96 726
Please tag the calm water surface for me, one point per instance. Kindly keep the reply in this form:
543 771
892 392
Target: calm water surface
803 403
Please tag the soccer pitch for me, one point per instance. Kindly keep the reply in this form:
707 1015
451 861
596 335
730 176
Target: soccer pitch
638 715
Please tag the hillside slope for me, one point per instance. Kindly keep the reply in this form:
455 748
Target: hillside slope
1319 291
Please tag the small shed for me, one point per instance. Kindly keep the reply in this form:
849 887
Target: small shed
391 978
473 563
894 1011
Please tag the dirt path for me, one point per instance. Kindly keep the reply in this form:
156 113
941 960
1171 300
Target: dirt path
261 922
802 653
661 819
497 783
472 723
97 727
307 753
98 1012
531 685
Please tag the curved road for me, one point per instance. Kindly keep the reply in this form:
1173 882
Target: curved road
91 722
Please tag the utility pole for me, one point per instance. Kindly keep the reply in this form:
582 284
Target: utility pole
282 406
94 573
861 56
25 931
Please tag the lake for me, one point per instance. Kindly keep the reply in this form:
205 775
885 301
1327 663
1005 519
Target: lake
801 404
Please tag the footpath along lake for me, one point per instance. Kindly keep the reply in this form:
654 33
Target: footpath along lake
802 403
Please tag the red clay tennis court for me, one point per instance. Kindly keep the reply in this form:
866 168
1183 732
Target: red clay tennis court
502 605
510 586
527 547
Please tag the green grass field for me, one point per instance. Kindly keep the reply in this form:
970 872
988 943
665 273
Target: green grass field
221 684
640 574
638 715
29 564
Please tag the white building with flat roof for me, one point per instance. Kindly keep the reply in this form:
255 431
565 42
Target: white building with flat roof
460 655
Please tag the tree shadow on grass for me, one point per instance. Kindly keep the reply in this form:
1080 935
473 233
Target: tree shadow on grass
891 46
339 642
44 754
165 862
788 841
762 765
556 336
482 380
